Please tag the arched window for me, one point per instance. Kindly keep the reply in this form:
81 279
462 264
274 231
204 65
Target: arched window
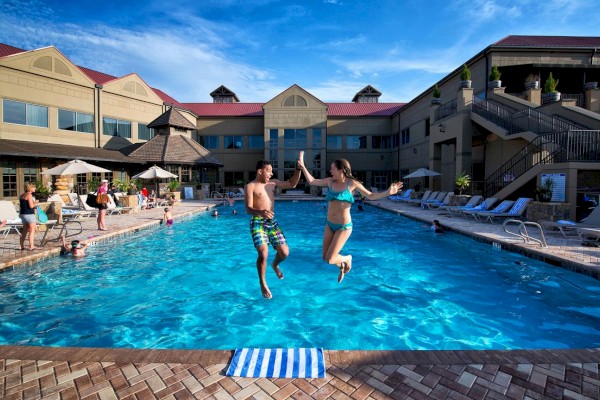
295 101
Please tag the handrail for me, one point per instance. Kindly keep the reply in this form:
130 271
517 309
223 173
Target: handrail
523 233
566 146
447 109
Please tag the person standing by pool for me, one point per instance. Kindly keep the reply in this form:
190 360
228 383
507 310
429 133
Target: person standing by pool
259 201
28 204
340 197
102 201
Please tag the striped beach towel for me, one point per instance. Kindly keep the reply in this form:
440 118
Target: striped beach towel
277 363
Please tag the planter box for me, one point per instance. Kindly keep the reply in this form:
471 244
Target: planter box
537 211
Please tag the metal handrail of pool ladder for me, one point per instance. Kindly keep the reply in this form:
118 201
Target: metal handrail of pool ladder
523 233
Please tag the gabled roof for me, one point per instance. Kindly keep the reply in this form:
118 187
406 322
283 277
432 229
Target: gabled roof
61 151
367 91
171 117
549 41
173 149
222 91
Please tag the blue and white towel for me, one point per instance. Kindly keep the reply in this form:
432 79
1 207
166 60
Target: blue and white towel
277 363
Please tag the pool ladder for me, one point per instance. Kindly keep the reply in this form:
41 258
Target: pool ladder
523 233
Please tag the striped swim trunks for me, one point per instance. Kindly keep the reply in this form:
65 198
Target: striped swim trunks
266 231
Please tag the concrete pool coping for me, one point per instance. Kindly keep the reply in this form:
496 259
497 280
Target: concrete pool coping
56 372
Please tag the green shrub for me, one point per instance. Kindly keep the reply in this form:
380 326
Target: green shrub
551 84
465 74
495 73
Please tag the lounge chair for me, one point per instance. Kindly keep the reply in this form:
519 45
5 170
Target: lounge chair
473 201
429 195
436 203
9 213
83 205
589 234
425 196
570 228
114 209
439 196
516 211
405 195
485 205
500 208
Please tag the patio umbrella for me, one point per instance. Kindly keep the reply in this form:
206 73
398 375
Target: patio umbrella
420 173
74 167
155 173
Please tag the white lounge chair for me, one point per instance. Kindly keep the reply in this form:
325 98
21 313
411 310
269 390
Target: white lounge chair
485 205
9 213
570 228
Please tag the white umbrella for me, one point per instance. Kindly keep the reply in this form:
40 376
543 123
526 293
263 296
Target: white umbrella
154 172
74 167
421 172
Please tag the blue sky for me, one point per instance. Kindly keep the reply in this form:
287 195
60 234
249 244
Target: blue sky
258 48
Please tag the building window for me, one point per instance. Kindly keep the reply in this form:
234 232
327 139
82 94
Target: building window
115 127
256 142
294 138
356 142
427 127
228 99
405 136
9 179
295 101
273 160
396 140
174 169
232 142
234 178
334 142
273 138
17 112
316 138
381 142
209 142
186 174
74 121
145 133
30 172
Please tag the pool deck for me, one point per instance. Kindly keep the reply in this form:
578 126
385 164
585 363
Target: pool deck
96 373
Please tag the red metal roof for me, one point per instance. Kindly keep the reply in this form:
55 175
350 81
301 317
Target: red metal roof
550 41
98 77
255 109
6 50
168 99
363 109
226 109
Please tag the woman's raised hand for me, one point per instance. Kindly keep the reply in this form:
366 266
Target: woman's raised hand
301 158
394 187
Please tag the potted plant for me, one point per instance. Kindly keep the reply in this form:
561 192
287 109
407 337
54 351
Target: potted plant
134 186
544 191
462 182
436 95
532 81
172 187
465 77
93 184
550 92
494 78
42 191
121 185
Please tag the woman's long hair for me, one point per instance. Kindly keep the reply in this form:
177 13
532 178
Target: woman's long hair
344 165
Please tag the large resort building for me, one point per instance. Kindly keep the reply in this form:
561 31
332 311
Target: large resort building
507 135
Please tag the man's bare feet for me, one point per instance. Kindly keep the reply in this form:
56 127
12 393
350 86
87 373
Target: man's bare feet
277 271
265 291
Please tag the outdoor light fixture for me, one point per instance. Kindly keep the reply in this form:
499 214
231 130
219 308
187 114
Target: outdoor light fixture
442 127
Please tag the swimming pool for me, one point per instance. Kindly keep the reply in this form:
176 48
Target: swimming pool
194 286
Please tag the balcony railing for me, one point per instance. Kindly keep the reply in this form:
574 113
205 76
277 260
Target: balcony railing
446 109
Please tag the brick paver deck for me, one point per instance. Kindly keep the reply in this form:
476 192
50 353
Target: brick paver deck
86 373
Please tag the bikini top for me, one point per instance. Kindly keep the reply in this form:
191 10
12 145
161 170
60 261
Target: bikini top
345 195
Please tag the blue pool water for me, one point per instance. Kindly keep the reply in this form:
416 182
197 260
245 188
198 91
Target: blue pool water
194 286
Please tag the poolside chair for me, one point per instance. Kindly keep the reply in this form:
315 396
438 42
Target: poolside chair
473 201
499 209
425 196
418 202
58 199
436 203
405 195
502 207
432 199
570 228
83 205
589 234
10 214
516 211
485 205
114 209
74 199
